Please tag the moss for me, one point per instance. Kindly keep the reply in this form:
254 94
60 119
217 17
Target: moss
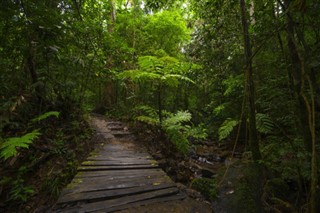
206 187
247 196
74 183
88 163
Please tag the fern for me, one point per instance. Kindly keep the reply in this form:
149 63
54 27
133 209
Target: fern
146 114
173 126
226 128
178 118
148 120
45 115
264 123
178 133
9 147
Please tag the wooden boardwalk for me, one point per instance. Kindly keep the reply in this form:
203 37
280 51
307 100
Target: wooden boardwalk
116 176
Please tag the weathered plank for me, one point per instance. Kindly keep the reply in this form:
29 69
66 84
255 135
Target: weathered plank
94 168
85 186
117 173
118 162
179 196
109 205
111 179
105 194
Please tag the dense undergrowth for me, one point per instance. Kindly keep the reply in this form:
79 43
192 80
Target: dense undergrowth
32 179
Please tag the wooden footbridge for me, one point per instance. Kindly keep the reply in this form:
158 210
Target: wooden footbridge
118 175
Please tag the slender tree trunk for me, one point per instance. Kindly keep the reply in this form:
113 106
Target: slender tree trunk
253 135
160 103
304 89
112 15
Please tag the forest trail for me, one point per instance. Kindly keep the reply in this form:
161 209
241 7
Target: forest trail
119 175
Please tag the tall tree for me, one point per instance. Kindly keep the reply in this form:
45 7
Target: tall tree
250 91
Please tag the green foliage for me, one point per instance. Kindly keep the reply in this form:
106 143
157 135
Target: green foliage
206 186
9 147
287 158
167 30
226 128
176 131
46 115
174 125
146 114
264 123
19 191
165 70
177 119
234 84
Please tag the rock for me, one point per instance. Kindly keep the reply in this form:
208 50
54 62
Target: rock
182 187
194 194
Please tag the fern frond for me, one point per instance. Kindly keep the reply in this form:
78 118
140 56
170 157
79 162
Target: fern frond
138 75
9 147
148 120
178 118
226 128
46 115
147 62
264 123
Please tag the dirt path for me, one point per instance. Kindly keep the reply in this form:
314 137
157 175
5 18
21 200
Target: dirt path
121 176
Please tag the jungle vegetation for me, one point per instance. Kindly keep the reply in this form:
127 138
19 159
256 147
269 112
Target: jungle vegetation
242 72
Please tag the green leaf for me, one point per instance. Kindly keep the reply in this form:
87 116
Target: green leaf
148 120
178 118
264 123
9 147
45 115
226 128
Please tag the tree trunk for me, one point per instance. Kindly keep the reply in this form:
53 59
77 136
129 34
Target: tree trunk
112 15
253 135
160 103
304 88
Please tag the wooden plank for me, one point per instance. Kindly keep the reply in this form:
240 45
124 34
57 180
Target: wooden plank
175 197
116 128
107 205
123 159
120 176
89 196
107 179
114 123
113 184
120 133
95 168
118 163
119 154
114 173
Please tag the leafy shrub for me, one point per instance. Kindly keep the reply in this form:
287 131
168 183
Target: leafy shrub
264 123
206 187
174 125
226 128
20 192
9 147
179 133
